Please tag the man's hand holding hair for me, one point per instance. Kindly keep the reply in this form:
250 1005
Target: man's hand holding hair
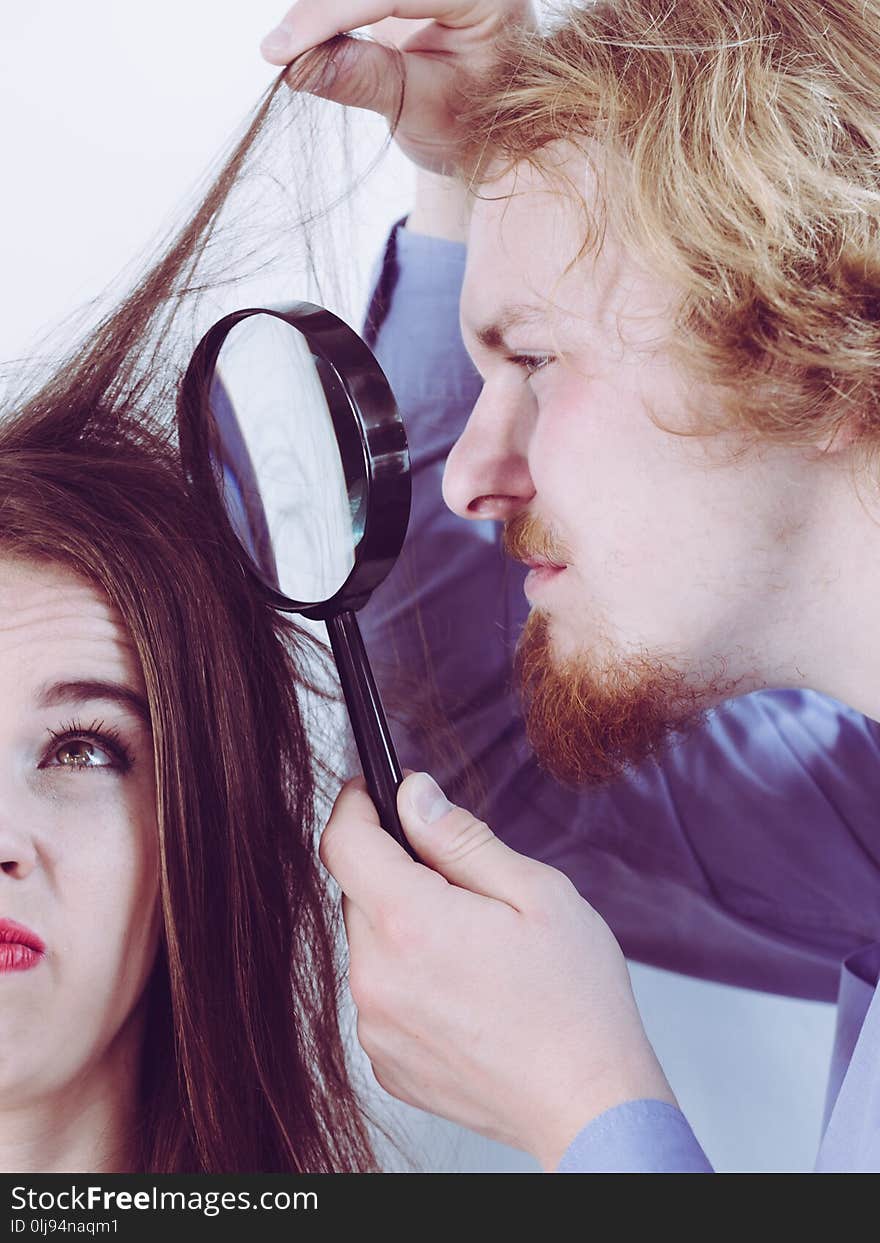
488 991
446 38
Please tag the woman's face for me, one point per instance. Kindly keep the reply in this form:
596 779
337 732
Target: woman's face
77 838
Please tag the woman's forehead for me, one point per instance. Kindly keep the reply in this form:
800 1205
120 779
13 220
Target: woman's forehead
56 625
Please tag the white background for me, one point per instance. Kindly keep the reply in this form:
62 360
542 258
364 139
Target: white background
110 114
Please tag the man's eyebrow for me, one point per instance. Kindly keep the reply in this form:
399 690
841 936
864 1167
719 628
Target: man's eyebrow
492 336
84 690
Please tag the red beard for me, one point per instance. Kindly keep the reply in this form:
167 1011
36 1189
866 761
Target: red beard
587 723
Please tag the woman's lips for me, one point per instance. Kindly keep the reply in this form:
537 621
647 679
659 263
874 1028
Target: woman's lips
20 949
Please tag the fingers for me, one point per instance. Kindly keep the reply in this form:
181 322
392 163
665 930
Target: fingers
366 862
311 22
379 878
463 848
357 928
395 31
355 72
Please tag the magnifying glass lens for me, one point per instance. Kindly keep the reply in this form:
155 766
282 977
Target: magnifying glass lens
280 395
290 412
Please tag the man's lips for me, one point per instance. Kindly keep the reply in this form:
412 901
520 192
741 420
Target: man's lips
20 949
541 574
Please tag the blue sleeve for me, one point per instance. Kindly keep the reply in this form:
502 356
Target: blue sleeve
745 854
638 1137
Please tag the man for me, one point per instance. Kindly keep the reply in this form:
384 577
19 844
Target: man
686 543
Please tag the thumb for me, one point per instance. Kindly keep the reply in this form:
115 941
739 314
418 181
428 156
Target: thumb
460 847
356 72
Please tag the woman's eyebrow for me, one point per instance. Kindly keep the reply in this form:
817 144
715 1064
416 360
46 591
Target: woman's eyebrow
85 690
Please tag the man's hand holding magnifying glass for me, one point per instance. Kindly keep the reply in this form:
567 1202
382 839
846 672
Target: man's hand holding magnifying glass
488 991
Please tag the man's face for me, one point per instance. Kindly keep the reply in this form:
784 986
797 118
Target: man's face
659 559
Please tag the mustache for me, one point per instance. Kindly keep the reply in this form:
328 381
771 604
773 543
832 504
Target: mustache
527 538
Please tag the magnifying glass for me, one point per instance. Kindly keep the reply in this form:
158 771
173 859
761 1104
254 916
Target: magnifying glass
287 418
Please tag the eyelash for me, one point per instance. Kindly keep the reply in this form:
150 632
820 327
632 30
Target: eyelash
530 363
106 738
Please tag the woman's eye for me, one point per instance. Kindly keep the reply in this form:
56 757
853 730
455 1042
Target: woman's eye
79 750
81 753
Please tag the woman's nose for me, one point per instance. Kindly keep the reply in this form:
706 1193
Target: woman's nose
18 852
487 472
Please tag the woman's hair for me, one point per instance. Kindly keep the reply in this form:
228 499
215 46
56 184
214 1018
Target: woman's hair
744 140
243 1062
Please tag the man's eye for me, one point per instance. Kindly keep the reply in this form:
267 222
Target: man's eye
530 363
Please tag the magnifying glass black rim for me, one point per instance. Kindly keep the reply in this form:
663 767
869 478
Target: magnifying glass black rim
374 419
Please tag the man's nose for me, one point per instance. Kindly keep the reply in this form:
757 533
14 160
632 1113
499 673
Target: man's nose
487 472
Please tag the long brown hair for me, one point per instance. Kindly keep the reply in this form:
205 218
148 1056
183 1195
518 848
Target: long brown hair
243 1067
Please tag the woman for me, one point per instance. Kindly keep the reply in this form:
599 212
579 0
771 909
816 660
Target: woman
169 962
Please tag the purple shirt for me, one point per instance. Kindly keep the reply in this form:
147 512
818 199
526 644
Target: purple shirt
748 854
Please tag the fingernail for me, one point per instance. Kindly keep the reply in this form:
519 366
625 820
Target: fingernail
277 41
427 799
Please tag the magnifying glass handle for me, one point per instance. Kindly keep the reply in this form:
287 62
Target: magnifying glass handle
375 746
